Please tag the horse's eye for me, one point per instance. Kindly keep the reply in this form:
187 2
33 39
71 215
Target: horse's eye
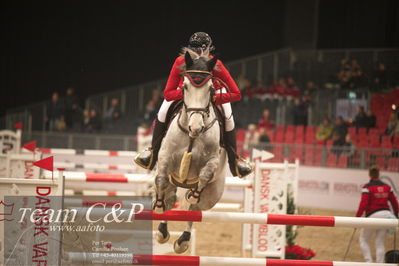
185 86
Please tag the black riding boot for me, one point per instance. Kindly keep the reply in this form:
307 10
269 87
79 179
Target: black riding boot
238 166
149 157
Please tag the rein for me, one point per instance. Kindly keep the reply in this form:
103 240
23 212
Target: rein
203 111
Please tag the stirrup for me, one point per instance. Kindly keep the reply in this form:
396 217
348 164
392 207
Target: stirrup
247 164
139 161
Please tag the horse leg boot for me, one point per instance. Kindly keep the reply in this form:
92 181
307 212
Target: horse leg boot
149 157
238 166
206 175
162 187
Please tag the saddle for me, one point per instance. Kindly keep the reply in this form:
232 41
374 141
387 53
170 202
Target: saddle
177 106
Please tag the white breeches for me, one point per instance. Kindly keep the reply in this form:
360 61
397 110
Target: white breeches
366 234
228 112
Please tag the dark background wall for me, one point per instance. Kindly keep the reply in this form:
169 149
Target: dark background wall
97 46
357 24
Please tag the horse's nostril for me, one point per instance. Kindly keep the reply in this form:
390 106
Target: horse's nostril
189 128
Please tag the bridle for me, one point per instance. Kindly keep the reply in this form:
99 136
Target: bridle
204 112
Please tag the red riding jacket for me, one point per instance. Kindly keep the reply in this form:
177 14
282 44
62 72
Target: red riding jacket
175 80
375 197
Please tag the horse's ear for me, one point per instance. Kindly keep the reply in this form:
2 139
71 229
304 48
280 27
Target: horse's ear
211 63
188 59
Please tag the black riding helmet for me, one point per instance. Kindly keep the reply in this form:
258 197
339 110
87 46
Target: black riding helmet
200 40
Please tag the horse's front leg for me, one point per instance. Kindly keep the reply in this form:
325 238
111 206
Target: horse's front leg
206 175
162 186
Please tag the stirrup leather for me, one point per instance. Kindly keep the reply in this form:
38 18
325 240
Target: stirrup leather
137 158
248 164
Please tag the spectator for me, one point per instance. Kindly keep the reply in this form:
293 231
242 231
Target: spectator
340 129
86 120
60 124
251 137
114 112
281 87
360 118
265 121
358 79
355 65
95 124
259 88
310 88
349 147
76 115
152 106
71 103
380 79
395 131
338 143
263 136
243 83
55 109
392 122
325 130
292 88
344 74
300 113
150 111
371 119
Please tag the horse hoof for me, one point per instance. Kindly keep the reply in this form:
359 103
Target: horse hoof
182 243
162 235
191 199
161 239
179 249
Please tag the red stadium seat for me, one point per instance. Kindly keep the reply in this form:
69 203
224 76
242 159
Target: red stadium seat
352 131
299 131
279 137
290 128
386 142
374 132
381 162
393 164
395 142
289 137
343 161
362 131
331 160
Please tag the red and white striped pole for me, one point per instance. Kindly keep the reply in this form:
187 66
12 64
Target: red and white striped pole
123 258
264 218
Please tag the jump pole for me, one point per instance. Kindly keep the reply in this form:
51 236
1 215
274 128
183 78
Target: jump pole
264 218
126 259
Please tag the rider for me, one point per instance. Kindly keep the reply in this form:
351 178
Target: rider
198 42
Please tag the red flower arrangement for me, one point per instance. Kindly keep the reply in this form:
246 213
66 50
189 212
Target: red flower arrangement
295 252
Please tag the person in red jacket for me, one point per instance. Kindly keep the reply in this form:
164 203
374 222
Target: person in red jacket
198 42
374 203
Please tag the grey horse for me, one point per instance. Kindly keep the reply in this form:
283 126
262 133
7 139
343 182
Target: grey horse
191 164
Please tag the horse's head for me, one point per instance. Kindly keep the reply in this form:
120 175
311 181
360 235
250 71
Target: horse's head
197 92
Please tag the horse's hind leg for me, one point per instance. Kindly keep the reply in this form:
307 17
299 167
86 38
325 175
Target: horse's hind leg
183 242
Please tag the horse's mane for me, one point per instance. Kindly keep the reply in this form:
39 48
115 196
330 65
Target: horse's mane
204 54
